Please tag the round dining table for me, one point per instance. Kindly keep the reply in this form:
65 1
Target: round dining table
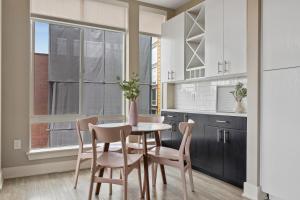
142 129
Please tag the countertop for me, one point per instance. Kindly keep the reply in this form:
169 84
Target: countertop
206 112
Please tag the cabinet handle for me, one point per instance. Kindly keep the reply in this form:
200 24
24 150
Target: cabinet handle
172 72
226 136
226 64
185 118
219 70
219 135
168 75
170 116
222 121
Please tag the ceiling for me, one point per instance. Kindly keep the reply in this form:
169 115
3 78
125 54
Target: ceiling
173 4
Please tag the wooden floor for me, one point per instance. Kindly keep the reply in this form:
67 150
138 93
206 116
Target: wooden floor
60 186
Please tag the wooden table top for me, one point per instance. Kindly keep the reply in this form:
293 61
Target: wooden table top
142 127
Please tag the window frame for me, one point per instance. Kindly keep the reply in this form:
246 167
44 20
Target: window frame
153 45
67 117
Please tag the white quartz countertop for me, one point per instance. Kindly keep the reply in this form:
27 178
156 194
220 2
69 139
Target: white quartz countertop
206 112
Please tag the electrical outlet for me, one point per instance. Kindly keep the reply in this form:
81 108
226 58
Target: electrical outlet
17 144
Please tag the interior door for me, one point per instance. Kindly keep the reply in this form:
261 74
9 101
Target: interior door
213 37
235 36
214 145
235 156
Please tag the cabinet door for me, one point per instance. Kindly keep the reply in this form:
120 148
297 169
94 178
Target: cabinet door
235 36
214 145
166 46
235 156
198 148
172 49
280 34
213 37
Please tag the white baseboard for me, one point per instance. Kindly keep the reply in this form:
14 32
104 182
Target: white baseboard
1 179
45 168
253 192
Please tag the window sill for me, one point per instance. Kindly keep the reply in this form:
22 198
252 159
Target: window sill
58 152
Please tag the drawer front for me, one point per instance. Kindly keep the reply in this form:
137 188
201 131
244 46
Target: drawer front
172 117
239 123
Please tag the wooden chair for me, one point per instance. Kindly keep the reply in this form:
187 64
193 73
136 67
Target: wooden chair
135 142
113 160
86 155
177 158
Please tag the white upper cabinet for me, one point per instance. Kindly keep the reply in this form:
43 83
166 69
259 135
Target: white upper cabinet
172 49
226 38
281 34
214 37
235 36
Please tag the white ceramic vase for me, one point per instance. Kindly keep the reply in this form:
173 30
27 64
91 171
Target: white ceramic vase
240 107
133 114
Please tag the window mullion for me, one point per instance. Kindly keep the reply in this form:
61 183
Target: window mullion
81 70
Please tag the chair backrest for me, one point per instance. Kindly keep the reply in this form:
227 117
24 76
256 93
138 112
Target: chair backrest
110 135
151 118
83 125
185 129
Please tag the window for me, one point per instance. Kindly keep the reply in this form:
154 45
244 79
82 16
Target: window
149 75
76 72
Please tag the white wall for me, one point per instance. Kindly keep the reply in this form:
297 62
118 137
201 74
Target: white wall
202 96
1 180
252 188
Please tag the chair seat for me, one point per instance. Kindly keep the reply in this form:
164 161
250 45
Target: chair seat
115 147
151 141
116 160
139 146
164 152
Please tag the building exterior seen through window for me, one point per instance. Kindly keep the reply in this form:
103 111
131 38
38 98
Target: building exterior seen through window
76 72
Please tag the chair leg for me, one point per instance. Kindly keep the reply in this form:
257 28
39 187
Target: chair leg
91 184
140 181
77 172
110 176
125 187
191 176
154 173
183 180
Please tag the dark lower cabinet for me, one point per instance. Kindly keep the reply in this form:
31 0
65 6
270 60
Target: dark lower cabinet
218 146
235 156
172 138
166 138
214 150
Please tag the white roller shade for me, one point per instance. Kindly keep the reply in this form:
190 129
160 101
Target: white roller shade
107 13
151 20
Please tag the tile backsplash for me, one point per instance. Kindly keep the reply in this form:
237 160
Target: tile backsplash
202 96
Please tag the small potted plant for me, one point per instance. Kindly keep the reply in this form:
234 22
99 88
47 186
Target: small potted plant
239 94
131 92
